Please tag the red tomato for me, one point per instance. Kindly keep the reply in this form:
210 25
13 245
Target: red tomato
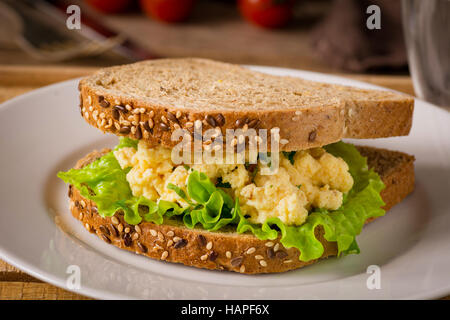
267 13
109 6
168 10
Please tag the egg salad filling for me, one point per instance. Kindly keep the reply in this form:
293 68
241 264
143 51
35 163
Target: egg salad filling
304 181
330 187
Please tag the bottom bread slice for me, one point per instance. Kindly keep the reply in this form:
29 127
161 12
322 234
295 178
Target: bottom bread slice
228 250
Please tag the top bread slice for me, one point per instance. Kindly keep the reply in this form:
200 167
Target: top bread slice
150 99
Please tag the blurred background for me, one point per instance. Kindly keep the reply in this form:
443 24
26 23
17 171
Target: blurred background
318 35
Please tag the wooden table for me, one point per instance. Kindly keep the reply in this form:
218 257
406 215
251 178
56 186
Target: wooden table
15 80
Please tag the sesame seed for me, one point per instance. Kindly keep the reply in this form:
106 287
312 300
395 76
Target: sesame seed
251 250
287 261
120 227
164 255
176 239
91 108
170 242
138 229
276 247
133 130
135 236
160 236
142 110
80 216
164 119
170 233
284 141
189 124
150 123
127 230
242 269
263 263
259 257
83 204
269 244
209 245
228 254
115 220
83 109
153 232
204 257
86 115
136 111
89 99
117 125
128 107
152 114
87 226
178 114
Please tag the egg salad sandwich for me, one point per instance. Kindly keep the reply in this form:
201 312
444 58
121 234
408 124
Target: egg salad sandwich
221 167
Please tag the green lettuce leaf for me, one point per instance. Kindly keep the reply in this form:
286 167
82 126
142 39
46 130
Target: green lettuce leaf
342 226
104 182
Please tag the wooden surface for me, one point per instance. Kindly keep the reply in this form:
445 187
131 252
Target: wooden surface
15 80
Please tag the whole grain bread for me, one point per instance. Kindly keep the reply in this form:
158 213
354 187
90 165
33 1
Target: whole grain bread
227 250
150 99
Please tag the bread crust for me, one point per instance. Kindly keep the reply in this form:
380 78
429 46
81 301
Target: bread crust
352 113
228 250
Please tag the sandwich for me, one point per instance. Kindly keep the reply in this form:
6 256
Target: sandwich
224 168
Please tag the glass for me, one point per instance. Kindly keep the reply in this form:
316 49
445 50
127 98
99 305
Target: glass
426 26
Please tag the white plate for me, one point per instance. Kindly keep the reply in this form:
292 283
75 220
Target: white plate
41 132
